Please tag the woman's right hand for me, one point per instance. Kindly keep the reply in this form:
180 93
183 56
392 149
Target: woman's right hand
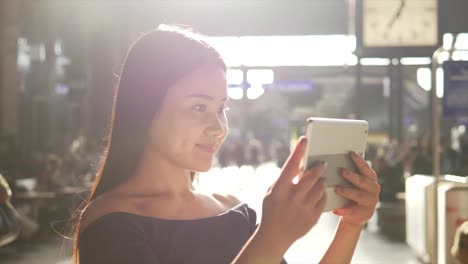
291 209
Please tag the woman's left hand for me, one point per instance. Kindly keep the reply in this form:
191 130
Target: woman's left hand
365 193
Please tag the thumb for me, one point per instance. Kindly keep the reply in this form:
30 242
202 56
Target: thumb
292 166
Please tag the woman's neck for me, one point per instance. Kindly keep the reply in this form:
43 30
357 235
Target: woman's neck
155 175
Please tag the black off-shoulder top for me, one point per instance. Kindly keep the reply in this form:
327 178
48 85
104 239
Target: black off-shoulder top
124 238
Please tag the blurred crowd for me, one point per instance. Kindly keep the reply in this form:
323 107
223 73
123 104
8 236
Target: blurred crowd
43 191
48 186
52 171
394 162
253 153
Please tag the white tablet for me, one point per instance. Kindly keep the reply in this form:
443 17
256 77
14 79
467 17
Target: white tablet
331 140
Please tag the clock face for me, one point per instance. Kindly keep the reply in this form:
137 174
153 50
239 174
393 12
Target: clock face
400 23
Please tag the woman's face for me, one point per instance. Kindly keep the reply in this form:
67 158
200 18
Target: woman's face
191 123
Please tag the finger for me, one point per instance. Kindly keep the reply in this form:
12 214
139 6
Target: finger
359 196
361 182
363 167
291 167
321 203
316 193
344 211
309 180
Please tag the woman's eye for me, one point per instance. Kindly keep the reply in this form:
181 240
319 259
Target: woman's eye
199 108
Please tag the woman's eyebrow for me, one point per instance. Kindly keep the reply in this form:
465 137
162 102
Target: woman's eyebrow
204 96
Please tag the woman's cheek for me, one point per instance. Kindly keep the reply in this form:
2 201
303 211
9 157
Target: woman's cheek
225 125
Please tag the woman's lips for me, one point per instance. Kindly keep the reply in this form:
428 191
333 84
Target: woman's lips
207 148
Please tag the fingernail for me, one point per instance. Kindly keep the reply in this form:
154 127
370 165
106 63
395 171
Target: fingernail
302 139
323 166
346 172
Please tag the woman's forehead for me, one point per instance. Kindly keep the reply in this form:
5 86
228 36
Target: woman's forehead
207 80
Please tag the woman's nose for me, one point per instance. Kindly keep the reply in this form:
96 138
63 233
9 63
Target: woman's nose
217 127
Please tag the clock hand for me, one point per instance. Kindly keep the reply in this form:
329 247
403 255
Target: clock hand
397 14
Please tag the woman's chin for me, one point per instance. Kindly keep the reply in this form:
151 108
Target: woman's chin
200 163
202 167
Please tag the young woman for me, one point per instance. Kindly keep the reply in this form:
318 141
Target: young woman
169 120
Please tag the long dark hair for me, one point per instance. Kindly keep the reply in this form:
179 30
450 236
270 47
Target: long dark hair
156 61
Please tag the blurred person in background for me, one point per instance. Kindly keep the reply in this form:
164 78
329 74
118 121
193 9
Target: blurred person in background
422 157
448 158
169 120
389 165
254 152
5 190
280 152
31 165
80 162
52 177
10 224
421 161
232 154
14 224
237 153
223 156
462 168
8 156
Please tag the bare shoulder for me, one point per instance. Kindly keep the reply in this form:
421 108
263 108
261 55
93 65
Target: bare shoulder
97 208
227 200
